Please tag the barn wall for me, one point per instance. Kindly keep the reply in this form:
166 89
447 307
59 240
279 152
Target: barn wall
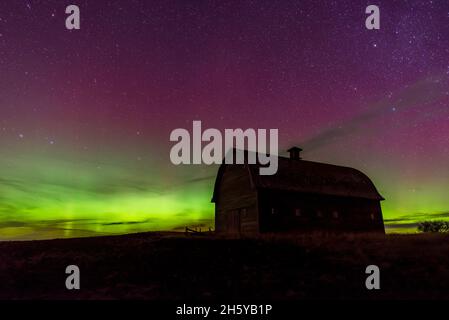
283 211
236 203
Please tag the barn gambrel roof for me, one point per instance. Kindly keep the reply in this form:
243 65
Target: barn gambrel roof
309 177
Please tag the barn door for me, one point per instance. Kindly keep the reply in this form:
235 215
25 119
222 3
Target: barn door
233 222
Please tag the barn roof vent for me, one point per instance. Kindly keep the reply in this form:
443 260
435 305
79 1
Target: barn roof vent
295 153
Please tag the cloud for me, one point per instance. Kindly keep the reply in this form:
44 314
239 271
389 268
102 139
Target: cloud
419 216
419 94
120 223
411 221
401 226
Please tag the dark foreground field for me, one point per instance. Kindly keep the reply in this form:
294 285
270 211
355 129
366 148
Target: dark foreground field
167 266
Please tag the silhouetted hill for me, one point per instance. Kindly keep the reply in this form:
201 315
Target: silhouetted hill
173 266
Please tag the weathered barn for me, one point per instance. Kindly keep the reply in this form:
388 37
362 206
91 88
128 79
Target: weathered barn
302 196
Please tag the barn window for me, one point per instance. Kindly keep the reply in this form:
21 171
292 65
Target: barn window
273 211
335 214
298 212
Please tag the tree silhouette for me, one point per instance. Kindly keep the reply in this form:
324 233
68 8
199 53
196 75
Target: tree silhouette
433 226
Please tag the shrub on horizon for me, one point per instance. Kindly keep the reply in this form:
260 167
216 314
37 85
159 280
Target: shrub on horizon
433 226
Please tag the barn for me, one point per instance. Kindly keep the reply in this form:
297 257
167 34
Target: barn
303 196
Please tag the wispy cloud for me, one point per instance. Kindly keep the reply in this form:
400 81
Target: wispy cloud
422 93
411 221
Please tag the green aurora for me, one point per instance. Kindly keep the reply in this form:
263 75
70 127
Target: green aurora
43 197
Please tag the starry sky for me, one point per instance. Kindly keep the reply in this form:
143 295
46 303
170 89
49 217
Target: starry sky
86 115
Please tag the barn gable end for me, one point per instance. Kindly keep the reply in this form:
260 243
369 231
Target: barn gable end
235 200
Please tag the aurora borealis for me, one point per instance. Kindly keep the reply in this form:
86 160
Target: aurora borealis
85 115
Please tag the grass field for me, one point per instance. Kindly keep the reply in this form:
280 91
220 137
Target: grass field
174 266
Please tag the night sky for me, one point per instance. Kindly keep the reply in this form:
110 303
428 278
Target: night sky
86 115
